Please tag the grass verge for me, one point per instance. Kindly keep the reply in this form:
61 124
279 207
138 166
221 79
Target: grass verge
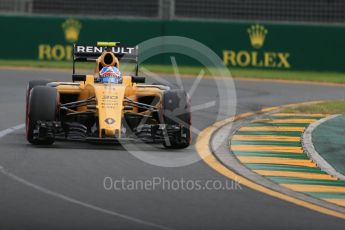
330 77
331 107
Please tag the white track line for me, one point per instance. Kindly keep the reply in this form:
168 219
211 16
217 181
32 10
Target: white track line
11 130
69 199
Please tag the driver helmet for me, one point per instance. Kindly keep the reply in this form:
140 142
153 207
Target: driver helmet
110 74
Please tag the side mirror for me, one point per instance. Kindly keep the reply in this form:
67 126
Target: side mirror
138 79
78 77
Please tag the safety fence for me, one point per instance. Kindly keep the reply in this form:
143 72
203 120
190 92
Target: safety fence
325 11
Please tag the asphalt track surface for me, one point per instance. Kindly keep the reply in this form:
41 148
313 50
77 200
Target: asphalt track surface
75 172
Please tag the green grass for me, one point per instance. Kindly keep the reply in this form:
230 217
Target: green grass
332 107
36 64
330 77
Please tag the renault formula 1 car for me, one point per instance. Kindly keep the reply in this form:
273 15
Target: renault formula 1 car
89 110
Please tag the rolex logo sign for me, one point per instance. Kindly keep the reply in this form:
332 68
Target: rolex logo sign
71 29
254 55
257 34
63 51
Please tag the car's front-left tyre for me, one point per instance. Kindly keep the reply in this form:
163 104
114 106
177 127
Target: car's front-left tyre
177 116
42 106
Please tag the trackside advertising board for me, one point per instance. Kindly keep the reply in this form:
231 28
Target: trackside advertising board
240 45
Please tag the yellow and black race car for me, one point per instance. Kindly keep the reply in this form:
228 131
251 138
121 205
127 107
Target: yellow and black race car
106 106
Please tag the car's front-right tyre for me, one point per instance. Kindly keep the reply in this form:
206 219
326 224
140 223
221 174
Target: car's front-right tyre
42 106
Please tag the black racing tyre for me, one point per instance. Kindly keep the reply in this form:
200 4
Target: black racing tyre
42 106
176 112
33 84
30 86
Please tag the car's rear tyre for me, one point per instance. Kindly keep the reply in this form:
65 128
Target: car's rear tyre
176 113
42 106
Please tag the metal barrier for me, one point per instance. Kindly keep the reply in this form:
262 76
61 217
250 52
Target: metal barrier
265 10
324 11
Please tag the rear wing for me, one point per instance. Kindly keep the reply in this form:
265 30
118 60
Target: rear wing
85 53
91 53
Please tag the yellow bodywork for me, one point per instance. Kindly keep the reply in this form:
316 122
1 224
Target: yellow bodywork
109 100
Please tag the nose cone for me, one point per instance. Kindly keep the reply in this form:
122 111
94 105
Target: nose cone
110 106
